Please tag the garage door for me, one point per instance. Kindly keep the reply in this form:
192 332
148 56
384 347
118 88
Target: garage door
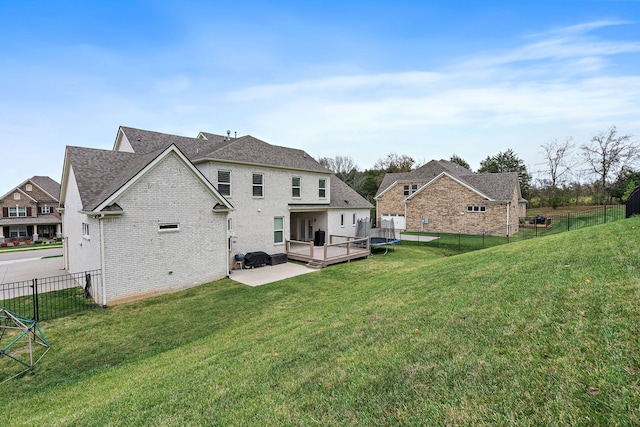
399 222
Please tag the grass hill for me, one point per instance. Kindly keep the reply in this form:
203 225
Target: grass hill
539 332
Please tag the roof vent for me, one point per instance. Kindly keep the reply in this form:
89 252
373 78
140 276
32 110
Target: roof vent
228 135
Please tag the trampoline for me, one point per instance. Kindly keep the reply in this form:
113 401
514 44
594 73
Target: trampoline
383 242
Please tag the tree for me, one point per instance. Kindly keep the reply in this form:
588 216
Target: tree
607 154
344 168
395 163
558 168
508 161
459 160
558 161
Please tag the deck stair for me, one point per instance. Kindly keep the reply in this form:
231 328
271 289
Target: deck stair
316 264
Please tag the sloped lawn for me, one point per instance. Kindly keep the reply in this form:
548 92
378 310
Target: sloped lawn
539 332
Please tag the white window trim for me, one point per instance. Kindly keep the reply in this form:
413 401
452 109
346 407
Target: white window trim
29 187
476 208
298 187
321 189
275 230
86 231
225 183
16 196
254 185
17 210
45 209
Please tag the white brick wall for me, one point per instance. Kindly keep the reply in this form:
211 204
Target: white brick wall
81 253
252 220
140 259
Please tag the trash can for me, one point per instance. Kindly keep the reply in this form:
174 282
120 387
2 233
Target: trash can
318 238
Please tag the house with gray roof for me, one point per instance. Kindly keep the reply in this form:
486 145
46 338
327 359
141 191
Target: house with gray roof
153 204
442 196
149 223
29 211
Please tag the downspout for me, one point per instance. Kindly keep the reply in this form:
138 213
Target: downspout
102 263
508 206
229 240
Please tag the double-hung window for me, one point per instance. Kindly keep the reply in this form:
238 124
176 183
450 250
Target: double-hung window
224 182
17 211
278 229
85 230
296 189
258 185
322 188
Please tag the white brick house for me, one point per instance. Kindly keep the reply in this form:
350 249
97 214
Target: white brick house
161 212
150 223
278 193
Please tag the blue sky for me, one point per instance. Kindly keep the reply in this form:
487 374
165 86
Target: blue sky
358 79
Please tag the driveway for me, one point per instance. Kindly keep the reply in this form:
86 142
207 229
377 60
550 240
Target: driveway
17 266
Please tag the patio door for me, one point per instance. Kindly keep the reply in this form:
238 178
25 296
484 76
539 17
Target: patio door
305 229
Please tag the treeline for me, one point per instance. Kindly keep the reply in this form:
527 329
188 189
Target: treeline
603 170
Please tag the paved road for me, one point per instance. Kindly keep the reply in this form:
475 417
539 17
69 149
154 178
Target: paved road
25 265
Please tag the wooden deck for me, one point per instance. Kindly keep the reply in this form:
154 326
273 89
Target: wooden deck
339 249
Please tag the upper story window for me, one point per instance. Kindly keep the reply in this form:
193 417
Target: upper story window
296 189
16 196
29 187
405 189
258 185
85 230
17 211
45 209
224 182
322 188
476 208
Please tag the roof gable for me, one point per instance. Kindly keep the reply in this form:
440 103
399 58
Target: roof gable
444 175
143 164
46 184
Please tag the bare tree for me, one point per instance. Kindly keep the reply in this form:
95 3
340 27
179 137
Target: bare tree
558 160
607 154
345 168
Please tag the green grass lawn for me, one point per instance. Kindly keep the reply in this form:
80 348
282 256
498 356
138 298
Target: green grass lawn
538 332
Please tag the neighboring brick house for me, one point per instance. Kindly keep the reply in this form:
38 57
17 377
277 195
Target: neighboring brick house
151 223
29 211
443 196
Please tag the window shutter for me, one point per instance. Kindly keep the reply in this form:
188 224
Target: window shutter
5 212
28 210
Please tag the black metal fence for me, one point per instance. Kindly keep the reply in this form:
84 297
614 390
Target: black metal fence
49 297
529 228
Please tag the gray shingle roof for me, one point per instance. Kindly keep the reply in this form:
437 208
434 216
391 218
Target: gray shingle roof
245 149
100 173
343 196
48 185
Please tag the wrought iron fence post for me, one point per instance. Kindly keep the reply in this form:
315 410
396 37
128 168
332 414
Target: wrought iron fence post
605 214
35 300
